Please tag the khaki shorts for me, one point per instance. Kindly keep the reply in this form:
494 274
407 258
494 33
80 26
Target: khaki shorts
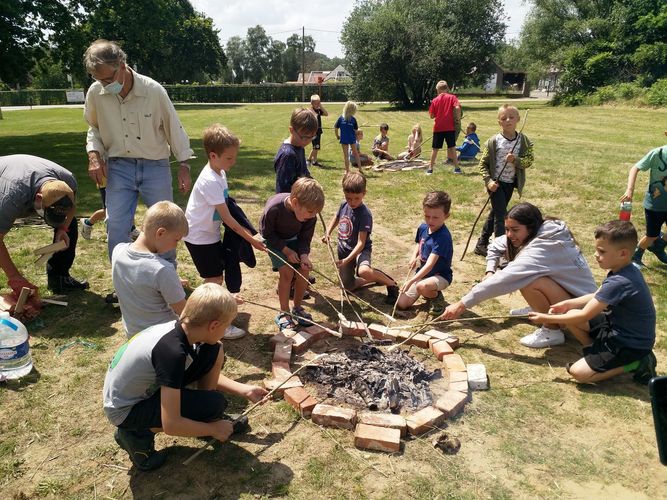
350 271
438 281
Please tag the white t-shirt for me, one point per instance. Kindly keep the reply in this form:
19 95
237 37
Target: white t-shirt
503 148
203 219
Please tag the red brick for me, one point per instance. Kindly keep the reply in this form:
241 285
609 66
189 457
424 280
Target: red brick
440 348
383 420
424 420
306 406
453 342
379 331
454 363
334 416
315 331
368 437
457 377
452 403
419 340
437 334
353 328
302 342
283 352
295 396
280 338
461 386
280 370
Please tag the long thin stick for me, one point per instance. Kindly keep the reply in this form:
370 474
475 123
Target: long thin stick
460 320
328 330
340 281
251 408
393 311
525 118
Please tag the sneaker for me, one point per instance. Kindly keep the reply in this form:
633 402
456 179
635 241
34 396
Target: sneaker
457 170
646 369
134 234
436 305
233 332
317 164
304 319
429 171
481 248
637 258
521 312
658 248
86 229
140 445
544 337
62 284
111 298
392 295
285 322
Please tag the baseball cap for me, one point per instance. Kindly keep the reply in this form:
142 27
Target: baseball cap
57 201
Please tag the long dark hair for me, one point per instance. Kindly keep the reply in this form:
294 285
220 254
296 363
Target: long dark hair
527 215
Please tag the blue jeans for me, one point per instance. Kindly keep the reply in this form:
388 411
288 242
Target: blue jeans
127 178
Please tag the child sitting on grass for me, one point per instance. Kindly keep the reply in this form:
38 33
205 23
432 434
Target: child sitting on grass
147 386
345 128
470 147
290 160
621 340
207 210
381 144
414 147
366 160
433 256
148 287
355 223
287 225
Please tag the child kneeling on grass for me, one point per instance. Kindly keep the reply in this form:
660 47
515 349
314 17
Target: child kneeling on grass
621 340
287 226
146 387
433 255
355 223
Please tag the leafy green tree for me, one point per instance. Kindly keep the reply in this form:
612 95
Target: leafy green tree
275 54
235 50
256 45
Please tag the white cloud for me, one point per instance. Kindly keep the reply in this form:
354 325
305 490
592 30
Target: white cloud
281 18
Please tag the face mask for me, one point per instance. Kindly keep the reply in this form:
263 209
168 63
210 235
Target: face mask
113 88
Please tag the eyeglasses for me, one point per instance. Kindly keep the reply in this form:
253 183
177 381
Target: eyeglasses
306 138
108 80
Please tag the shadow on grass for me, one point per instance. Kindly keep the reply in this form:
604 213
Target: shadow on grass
22 383
227 471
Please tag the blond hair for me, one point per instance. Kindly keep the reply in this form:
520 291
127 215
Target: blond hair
217 138
441 86
167 215
417 127
309 193
103 52
209 302
304 120
354 182
508 107
314 97
349 109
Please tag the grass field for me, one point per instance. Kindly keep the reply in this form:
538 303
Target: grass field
534 434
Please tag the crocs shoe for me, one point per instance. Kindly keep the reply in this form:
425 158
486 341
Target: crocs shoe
232 333
86 229
304 318
646 369
521 312
543 337
140 446
285 322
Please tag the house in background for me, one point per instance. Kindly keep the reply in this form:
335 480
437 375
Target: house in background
502 80
338 74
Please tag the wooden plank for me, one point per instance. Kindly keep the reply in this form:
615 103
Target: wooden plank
52 248
43 259
23 298
55 302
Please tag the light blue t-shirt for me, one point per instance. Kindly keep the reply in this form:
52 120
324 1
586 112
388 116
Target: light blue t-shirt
655 162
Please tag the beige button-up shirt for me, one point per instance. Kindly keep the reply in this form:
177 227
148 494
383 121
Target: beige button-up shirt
142 125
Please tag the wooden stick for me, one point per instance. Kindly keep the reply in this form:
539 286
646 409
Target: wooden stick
328 330
393 311
23 298
251 408
55 302
52 248
461 320
43 259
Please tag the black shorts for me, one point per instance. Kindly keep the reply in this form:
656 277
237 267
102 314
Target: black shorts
654 221
606 353
439 138
208 259
316 140
202 406
103 195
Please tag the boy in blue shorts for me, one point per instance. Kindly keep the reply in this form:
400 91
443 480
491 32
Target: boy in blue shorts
355 223
167 379
287 226
290 160
655 203
621 340
432 255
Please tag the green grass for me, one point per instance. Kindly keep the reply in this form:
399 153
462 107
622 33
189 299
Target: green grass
534 434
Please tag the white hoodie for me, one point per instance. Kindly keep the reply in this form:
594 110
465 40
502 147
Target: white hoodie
551 253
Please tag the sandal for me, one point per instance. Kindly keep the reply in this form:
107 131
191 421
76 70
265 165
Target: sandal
304 318
285 322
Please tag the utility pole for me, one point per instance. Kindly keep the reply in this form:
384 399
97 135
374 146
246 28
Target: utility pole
303 64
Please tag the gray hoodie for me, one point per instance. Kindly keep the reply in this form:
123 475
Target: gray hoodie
551 253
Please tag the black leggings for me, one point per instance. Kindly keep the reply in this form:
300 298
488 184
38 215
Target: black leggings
60 262
495 222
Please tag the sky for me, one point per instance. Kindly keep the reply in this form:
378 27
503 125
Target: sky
323 19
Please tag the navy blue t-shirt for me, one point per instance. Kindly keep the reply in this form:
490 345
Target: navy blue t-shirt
439 243
631 311
347 129
289 164
350 223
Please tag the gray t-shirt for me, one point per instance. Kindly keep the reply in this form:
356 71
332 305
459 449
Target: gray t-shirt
21 177
145 284
504 147
157 357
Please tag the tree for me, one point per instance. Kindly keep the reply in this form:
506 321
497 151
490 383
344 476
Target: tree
398 52
275 52
292 57
256 45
